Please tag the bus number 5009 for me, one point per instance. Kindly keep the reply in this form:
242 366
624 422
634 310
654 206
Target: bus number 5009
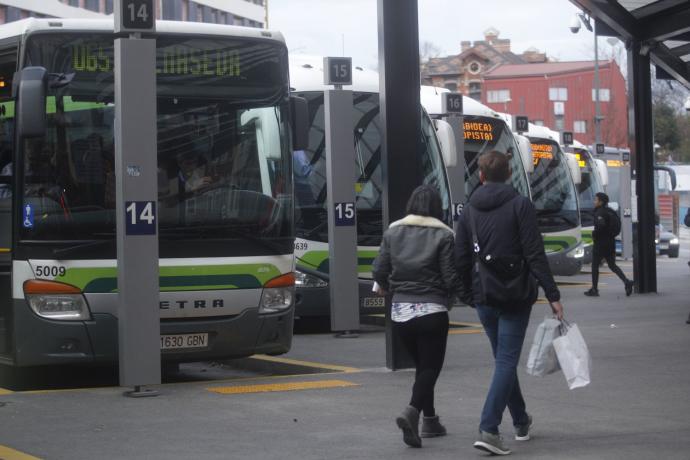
50 270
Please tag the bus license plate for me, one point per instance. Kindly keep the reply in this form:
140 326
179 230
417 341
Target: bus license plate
177 341
374 302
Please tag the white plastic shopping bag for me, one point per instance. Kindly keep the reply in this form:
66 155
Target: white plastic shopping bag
573 356
542 356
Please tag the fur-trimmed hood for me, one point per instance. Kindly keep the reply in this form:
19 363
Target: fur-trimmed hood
421 221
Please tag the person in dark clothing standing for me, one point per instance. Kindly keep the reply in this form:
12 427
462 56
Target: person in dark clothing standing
506 227
605 245
415 264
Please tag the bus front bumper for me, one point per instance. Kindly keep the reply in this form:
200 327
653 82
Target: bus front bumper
567 263
316 301
96 341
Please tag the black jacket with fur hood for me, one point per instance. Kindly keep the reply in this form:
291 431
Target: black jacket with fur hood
416 261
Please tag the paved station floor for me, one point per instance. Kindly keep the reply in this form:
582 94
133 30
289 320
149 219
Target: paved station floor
333 398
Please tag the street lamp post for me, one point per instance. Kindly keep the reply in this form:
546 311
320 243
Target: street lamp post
581 18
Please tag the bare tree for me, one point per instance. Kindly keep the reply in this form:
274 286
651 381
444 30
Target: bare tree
428 50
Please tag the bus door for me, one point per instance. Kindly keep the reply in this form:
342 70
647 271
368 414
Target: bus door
8 65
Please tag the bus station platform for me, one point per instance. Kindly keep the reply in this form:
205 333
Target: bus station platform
334 399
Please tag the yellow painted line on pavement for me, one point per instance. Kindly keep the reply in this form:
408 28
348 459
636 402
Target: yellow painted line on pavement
464 324
279 387
1 251
465 331
10 454
295 362
5 391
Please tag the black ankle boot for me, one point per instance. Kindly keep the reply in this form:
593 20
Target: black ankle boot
431 427
408 422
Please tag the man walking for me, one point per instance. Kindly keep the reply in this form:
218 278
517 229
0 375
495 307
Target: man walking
606 227
498 224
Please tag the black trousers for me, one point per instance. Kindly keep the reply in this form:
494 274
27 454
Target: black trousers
425 339
610 257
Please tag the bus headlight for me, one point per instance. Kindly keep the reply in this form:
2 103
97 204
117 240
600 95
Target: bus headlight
578 252
58 301
674 241
278 294
63 307
305 280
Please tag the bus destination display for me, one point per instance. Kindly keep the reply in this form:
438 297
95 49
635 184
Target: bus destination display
172 60
542 152
477 131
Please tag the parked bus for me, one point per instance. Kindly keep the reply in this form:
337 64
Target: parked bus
555 198
311 246
225 212
484 130
593 174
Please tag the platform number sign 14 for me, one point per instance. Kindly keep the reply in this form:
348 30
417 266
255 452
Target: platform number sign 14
137 15
344 214
140 218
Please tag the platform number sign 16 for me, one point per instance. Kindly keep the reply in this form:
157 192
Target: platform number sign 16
457 210
452 103
140 218
137 15
344 214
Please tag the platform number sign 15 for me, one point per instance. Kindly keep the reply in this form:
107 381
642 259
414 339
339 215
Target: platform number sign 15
344 214
136 15
338 70
140 218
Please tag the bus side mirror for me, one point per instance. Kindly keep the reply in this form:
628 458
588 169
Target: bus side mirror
446 137
30 93
526 154
299 111
574 167
603 172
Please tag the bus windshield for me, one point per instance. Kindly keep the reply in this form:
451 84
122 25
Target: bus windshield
484 134
310 170
224 166
553 191
590 185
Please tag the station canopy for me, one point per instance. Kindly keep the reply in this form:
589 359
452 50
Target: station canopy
662 27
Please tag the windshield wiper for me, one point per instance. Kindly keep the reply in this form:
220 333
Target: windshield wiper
202 233
554 214
84 245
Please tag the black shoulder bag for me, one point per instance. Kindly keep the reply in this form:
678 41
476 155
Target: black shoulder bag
505 281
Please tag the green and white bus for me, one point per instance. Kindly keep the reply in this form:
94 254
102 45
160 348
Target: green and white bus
225 209
594 179
555 198
311 245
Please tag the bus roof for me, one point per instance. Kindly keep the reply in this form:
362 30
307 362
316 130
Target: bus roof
543 132
431 100
31 25
306 74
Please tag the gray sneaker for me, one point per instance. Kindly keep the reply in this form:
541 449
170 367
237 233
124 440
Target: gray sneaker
491 443
522 431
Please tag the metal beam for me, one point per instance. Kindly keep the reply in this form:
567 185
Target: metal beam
673 65
666 25
612 14
401 125
681 50
641 141
656 7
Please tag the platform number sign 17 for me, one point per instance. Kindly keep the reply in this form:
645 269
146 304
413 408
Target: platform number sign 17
344 214
140 218
521 124
137 15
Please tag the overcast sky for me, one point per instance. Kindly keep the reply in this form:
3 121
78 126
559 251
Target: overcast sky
319 27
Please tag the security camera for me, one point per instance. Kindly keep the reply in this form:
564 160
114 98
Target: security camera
687 105
575 24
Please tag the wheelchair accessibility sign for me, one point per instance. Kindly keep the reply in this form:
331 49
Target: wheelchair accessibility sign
28 216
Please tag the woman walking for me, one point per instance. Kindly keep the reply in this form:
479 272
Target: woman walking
416 265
